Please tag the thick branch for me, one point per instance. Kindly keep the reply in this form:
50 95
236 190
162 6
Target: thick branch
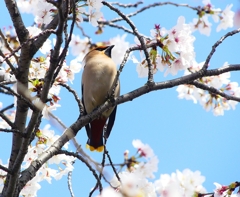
19 26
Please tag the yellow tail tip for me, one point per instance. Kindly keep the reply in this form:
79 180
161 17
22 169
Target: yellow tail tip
98 149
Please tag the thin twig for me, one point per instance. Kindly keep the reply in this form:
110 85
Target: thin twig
9 122
214 91
140 38
214 47
83 160
118 27
129 5
26 42
19 96
83 32
155 5
5 169
7 82
111 163
102 164
8 62
7 108
69 181
9 48
13 131
5 92
79 102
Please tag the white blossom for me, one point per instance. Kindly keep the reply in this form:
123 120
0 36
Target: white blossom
226 20
120 47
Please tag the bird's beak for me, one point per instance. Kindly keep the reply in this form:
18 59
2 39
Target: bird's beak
109 50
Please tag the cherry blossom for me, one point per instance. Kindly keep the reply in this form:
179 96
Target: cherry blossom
226 19
120 47
78 45
143 149
210 101
181 184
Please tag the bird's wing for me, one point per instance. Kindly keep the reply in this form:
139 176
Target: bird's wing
110 122
87 126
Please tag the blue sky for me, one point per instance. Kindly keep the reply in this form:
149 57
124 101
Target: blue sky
182 134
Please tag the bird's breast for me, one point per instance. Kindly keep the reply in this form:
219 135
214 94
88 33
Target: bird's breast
97 81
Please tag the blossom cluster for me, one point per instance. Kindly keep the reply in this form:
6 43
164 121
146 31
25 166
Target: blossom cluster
223 17
43 11
177 49
135 181
207 99
45 138
176 45
173 51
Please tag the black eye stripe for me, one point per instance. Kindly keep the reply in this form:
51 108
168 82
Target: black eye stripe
101 48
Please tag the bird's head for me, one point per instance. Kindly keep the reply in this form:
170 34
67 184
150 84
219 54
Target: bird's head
107 50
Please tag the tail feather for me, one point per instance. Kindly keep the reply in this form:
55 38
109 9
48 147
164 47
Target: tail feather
95 142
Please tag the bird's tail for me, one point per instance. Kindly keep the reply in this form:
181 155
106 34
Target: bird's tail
95 140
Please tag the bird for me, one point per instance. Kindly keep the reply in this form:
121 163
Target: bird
97 80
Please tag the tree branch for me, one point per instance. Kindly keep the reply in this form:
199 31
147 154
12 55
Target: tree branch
155 5
7 108
5 169
214 91
76 155
111 163
214 47
13 131
79 102
218 71
69 181
140 38
130 5
19 26
5 118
